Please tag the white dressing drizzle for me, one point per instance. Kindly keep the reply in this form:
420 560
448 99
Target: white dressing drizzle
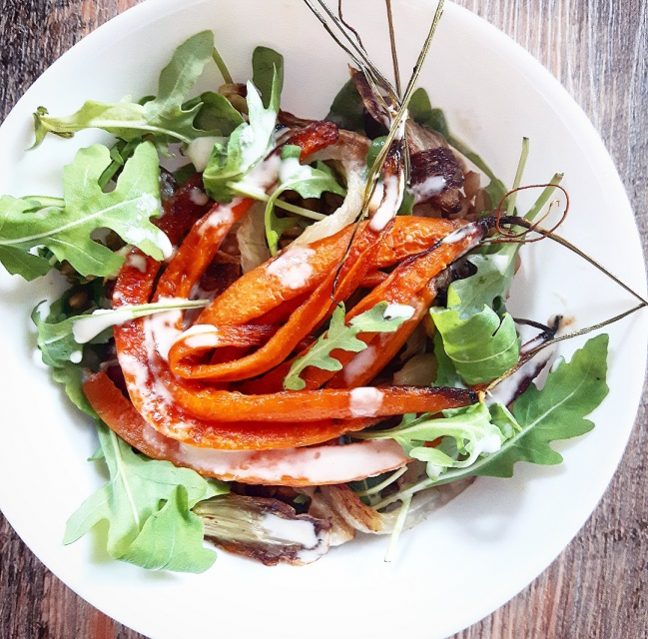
137 235
200 336
399 310
292 170
359 364
87 327
260 177
137 261
292 268
365 401
394 187
220 215
458 235
199 150
198 196
291 531
163 330
431 186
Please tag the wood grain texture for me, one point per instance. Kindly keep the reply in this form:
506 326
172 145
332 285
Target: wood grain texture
598 588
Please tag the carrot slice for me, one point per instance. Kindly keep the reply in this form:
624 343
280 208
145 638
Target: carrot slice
408 284
260 291
313 466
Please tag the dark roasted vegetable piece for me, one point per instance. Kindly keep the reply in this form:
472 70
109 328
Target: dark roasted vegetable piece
264 529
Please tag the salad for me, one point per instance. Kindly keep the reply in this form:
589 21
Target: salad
289 332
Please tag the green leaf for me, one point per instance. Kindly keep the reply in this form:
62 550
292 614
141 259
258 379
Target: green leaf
216 115
164 116
421 111
59 340
17 261
376 147
134 493
343 337
268 69
70 376
482 347
465 434
172 539
308 181
347 110
66 229
572 391
491 280
446 373
248 145
541 416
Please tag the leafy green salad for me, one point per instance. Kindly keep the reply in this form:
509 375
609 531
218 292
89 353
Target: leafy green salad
288 332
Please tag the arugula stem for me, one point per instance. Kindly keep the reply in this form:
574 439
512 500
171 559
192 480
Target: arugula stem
368 492
286 206
222 67
524 155
401 114
544 197
583 331
398 528
406 493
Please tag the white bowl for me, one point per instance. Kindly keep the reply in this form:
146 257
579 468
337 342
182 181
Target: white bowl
489 543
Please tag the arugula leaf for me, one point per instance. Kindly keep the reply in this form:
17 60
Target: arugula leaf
446 373
66 229
164 116
172 539
482 346
58 341
572 391
308 181
465 433
343 337
15 260
57 354
421 111
267 68
491 280
476 441
216 115
557 411
70 376
134 493
347 110
248 144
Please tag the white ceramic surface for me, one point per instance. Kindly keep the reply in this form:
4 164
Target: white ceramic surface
485 546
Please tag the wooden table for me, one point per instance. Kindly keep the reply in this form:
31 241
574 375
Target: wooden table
598 587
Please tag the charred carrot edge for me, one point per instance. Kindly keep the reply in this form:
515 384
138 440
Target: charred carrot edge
261 294
407 284
272 467
258 292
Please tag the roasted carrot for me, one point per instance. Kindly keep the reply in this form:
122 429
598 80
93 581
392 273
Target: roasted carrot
316 465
